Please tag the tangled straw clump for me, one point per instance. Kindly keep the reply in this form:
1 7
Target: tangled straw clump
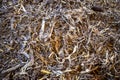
60 39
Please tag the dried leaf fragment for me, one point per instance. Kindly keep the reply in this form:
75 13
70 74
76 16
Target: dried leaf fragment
45 71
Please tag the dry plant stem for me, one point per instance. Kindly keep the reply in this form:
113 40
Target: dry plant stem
12 69
65 40
42 29
28 64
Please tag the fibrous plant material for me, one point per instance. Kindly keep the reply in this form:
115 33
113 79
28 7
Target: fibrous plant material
60 39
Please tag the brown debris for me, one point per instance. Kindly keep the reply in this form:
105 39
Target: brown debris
98 9
59 39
